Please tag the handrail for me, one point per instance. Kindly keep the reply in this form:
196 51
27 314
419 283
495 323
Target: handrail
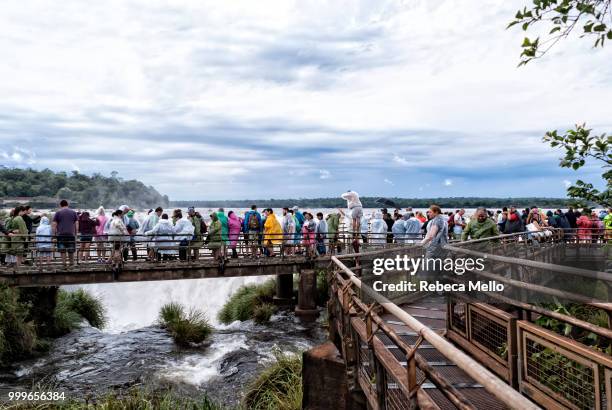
488 380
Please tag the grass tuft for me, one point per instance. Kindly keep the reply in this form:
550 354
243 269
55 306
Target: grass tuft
82 303
186 329
248 303
277 387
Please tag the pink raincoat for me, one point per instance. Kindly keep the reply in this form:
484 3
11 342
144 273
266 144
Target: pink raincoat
235 226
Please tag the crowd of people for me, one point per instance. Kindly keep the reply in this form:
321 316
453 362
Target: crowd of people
179 235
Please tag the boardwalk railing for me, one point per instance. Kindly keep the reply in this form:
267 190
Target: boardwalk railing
44 251
568 364
385 381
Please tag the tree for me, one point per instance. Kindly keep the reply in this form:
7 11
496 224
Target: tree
579 146
563 16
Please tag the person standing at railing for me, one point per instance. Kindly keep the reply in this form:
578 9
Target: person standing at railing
197 241
597 227
214 239
298 217
234 223
437 234
183 229
321 235
308 234
514 223
43 241
288 227
459 224
162 234
100 235
147 225
481 227
413 228
224 231
571 217
355 212
17 227
117 234
87 230
583 222
273 233
399 229
65 227
251 227
132 226
378 229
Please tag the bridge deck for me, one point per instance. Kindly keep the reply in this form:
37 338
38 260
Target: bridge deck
431 311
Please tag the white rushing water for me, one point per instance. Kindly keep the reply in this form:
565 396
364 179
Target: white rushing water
133 305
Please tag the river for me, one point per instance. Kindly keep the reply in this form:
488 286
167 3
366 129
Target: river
132 350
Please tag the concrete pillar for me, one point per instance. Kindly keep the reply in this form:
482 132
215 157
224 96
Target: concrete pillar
307 302
284 290
324 381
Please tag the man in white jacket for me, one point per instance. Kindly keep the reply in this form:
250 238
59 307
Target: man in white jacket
355 209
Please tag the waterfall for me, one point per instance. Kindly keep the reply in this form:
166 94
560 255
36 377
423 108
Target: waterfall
133 305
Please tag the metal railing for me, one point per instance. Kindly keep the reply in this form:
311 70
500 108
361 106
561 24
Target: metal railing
42 252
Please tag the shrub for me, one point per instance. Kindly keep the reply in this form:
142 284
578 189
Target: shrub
277 387
262 313
82 303
185 329
244 303
17 334
171 313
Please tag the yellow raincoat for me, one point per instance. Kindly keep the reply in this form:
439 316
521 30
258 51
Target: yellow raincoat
273 232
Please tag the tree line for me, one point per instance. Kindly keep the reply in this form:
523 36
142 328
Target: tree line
86 191
375 202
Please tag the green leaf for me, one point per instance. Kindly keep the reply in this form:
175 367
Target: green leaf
526 42
599 28
609 35
555 29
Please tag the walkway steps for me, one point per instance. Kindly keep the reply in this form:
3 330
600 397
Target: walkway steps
432 312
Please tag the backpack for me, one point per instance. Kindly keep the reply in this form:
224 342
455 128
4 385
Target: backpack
203 227
253 222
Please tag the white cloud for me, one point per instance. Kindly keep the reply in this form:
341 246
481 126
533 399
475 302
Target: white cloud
448 182
215 92
567 183
387 181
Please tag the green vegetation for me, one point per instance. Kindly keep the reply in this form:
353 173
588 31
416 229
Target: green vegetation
581 146
18 337
135 399
72 306
249 302
25 328
186 328
587 313
278 387
562 17
46 187
370 202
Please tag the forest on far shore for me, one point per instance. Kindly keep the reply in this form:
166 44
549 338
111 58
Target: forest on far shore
46 187
376 202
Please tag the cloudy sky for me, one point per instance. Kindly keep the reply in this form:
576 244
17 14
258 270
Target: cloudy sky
259 99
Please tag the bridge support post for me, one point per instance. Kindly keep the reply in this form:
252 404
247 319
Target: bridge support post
284 290
307 303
